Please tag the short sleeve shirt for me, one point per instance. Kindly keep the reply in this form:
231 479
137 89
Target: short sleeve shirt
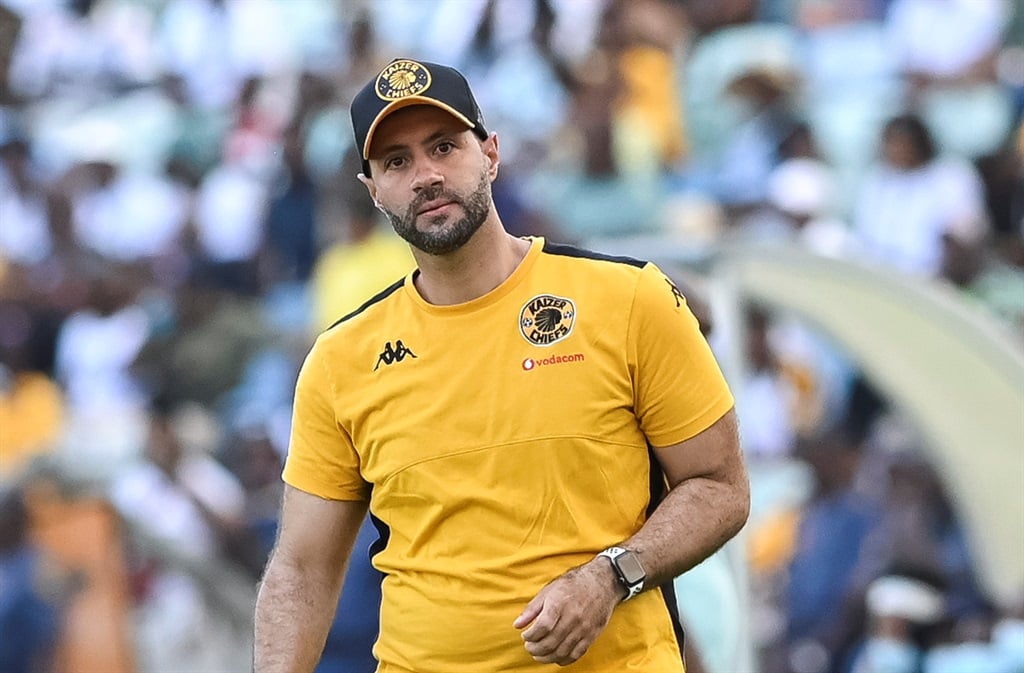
503 441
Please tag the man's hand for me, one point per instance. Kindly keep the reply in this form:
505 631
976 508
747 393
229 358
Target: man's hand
568 614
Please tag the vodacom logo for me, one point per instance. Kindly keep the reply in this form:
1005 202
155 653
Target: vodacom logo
530 364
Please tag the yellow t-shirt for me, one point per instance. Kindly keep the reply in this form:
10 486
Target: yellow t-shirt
501 442
31 420
650 106
347 273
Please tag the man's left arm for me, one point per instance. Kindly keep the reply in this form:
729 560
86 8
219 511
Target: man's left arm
707 504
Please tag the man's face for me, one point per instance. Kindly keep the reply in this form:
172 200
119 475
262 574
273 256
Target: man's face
432 178
898 150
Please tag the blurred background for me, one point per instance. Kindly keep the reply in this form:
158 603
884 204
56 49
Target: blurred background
836 185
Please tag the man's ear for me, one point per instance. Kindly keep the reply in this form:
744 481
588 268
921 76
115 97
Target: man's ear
371 187
490 150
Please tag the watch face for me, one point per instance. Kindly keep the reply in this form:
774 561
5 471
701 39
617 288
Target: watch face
629 566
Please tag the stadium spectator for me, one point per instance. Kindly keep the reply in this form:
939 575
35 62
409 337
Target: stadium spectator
905 609
30 612
944 41
291 247
947 52
650 35
766 95
828 570
183 500
353 632
250 455
230 208
25 234
920 529
209 336
131 216
914 196
766 400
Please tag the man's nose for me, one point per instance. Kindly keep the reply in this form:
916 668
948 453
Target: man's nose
427 176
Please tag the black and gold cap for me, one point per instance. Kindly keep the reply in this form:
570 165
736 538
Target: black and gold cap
405 82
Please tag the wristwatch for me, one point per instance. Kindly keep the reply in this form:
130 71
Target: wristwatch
628 570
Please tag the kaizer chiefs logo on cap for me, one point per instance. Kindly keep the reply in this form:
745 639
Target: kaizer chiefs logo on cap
402 79
547 319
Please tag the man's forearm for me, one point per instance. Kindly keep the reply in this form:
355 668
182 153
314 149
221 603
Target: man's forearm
694 520
294 611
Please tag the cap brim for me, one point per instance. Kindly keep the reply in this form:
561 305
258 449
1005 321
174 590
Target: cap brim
406 102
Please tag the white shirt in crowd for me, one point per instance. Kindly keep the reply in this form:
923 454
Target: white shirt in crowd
901 216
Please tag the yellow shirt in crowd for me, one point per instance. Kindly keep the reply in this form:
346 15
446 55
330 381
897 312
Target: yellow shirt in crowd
347 274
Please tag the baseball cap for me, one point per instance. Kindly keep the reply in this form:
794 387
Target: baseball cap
405 82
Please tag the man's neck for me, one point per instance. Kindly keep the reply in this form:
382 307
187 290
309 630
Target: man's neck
481 265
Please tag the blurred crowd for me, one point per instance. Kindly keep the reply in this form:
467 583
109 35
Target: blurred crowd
179 217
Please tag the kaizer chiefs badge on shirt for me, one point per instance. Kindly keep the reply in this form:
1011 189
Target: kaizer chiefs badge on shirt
402 79
547 319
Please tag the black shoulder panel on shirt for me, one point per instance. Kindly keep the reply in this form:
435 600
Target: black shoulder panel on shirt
570 251
380 296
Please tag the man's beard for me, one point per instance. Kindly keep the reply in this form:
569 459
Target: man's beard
440 239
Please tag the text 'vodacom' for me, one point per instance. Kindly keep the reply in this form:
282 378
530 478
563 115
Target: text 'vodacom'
530 363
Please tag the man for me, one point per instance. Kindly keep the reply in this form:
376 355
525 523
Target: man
505 411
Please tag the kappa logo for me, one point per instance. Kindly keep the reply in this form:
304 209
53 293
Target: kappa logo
676 293
547 319
395 353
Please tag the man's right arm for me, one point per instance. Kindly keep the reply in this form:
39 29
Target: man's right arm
302 583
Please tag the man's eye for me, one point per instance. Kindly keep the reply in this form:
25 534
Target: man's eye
445 147
394 162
